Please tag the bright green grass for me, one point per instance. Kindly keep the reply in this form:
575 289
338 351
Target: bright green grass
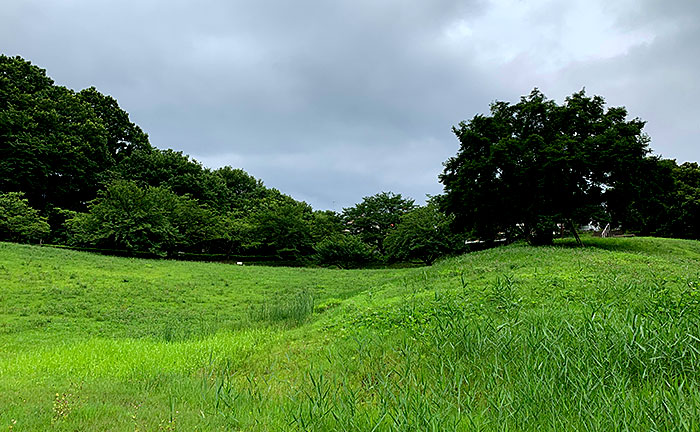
605 337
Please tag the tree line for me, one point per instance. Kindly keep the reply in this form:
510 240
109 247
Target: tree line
74 170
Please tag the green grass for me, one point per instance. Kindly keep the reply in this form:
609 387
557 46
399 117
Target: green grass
605 337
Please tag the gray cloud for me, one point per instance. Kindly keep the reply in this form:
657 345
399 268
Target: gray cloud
332 101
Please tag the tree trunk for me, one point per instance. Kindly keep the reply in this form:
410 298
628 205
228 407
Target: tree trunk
575 233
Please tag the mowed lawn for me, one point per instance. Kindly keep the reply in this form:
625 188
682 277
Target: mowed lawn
605 337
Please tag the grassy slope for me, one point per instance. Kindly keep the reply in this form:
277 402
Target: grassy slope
511 338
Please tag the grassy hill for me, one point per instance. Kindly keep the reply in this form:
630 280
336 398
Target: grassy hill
605 337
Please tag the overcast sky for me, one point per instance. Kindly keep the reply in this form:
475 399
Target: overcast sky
331 101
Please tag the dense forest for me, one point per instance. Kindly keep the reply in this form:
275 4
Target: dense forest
75 171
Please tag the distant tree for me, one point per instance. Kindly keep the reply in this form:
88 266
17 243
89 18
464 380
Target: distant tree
223 190
375 216
197 225
241 190
530 166
662 198
239 229
423 233
279 225
57 218
167 168
151 219
18 221
268 222
326 223
343 250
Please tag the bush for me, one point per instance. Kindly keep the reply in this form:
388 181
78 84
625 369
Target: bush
344 251
18 221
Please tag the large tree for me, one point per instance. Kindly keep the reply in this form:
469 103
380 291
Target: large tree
56 145
530 166
375 216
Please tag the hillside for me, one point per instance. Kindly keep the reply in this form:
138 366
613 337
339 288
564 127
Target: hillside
513 338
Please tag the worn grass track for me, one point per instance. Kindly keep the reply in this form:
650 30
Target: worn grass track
605 337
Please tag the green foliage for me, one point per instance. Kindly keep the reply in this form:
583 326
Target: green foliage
152 219
169 169
524 170
534 164
665 200
18 221
275 225
123 136
343 250
375 216
241 190
62 147
685 202
279 224
223 190
56 145
423 233
57 218
641 205
326 223
292 311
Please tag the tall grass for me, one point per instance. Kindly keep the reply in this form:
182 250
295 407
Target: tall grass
293 310
494 367
515 338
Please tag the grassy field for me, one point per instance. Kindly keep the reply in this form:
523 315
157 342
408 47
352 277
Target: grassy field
605 337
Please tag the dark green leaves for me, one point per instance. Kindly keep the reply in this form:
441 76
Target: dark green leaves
56 145
532 166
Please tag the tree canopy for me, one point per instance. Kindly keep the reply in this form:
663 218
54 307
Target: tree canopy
372 218
665 200
56 145
423 233
528 167
128 217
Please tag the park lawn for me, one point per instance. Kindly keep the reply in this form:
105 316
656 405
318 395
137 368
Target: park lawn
605 337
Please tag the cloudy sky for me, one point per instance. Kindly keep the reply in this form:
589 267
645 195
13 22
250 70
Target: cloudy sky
330 101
